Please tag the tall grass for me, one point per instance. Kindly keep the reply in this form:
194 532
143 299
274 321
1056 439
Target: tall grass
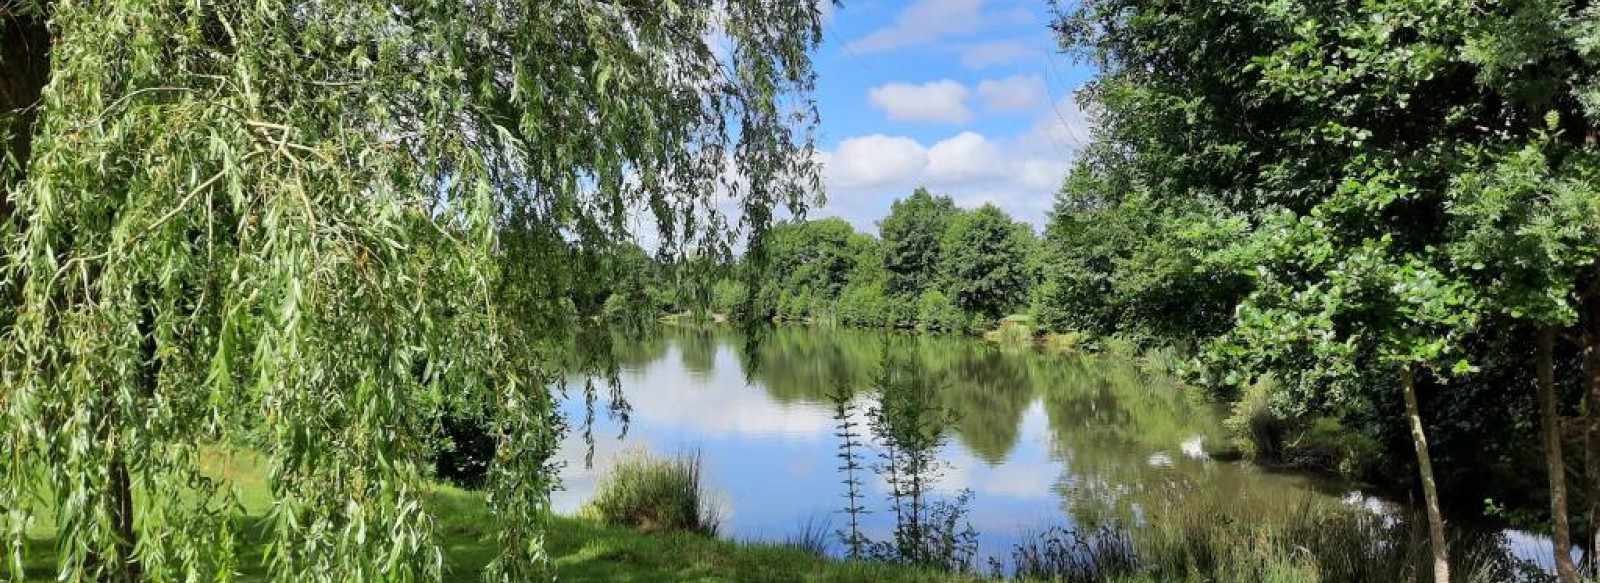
1282 540
1012 333
1219 539
815 536
656 494
1069 556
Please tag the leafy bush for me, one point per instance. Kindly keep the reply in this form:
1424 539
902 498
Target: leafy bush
868 306
900 312
727 295
1326 444
1063 341
1012 333
936 311
1257 431
865 306
653 494
981 322
1320 443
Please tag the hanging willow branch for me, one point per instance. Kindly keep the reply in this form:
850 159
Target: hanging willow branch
280 227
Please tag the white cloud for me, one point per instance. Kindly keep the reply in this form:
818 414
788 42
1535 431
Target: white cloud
937 101
922 22
874 161
1019 174
967 156
994 53
1014 93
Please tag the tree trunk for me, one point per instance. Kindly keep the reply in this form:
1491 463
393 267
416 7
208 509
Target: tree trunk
1561 535
1591 383
1430 492
120 500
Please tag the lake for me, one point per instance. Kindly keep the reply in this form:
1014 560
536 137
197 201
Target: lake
1039 440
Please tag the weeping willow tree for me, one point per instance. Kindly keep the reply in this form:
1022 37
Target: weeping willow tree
305 228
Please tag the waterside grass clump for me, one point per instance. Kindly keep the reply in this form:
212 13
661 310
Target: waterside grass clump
655 494
1065 555
1234 541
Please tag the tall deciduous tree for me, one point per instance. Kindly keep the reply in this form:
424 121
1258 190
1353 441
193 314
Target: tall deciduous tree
1341 131
911 240
278 226
985 261
1527 230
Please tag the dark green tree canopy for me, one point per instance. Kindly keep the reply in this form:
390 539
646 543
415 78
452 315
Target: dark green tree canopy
985 260
911 238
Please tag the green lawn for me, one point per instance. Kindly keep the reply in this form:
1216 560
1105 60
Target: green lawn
583 550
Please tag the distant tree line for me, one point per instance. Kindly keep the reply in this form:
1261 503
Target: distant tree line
932 266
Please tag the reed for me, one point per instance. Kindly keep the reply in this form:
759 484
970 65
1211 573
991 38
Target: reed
656 494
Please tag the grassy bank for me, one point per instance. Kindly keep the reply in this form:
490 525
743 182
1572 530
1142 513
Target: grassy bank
1203 539
582 549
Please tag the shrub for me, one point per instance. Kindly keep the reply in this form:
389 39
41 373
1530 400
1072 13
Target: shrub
1012 333
1063 341
980 322
653 494
1326 444
1257 431
726 296
935 311
1319 443
900 312
864 306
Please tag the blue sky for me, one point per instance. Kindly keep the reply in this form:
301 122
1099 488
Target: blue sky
970 98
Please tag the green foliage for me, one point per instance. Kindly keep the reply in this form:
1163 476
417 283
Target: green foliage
465 460
867 306
984 258
812 262
937 268
653 494
936 311
1327 194
912 245
909 429
1257 430
309 229
1139 268
1288 540
727 296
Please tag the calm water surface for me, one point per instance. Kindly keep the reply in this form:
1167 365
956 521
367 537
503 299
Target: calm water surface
1039 440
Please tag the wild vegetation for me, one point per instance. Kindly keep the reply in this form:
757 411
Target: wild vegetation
1127 528
1389 209
651 494
933 266
361 238
1375 227
313 230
